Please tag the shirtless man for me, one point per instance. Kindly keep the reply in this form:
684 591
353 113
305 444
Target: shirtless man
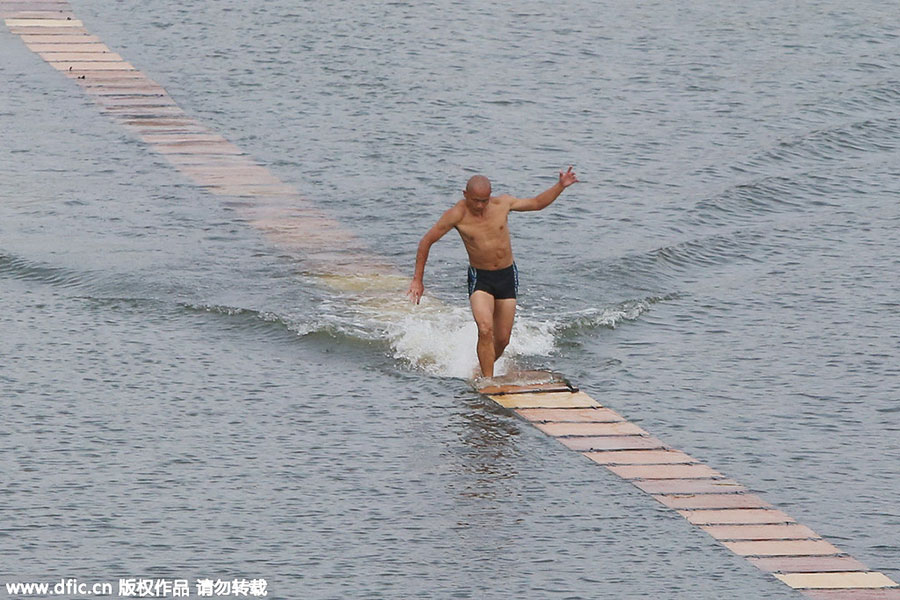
481 220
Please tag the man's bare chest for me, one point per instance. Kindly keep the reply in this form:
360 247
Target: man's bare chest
490 227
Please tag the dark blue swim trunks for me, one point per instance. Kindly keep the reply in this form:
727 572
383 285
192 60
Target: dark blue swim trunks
501 284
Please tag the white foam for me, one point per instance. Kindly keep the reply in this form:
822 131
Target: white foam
608 316
442 341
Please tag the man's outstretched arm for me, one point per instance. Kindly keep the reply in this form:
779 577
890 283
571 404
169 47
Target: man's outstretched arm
546 198
447 222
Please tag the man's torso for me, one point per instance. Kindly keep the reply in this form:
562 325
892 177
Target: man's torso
486 236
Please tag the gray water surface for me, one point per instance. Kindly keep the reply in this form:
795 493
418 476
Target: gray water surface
181 400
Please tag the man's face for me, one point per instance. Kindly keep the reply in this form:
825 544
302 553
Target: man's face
478 199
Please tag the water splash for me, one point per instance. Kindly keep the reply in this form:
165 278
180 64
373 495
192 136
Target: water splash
440 339
609 316
434 337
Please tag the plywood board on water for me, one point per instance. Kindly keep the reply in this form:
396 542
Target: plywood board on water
43 22
70 38
674 471
197 148
48 31
519 382
640 457
79 56
96 65
782 548
621 442
697 501
790 531
106 77
569 415
806 564
564 429
854 594
56 12
690 486
546 400
82 47
836 580
736 516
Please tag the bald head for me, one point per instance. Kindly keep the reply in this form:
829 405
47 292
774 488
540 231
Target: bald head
478 186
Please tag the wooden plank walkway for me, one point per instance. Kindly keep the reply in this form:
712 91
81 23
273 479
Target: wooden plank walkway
742 522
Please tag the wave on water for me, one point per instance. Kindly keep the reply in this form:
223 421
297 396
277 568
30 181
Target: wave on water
433 337
257 319
439 339
836 143
16 267
609 316
443 343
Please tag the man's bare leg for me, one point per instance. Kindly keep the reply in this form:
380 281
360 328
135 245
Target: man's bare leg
504 315
483 311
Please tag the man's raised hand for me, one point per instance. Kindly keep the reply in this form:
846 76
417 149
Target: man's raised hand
568 178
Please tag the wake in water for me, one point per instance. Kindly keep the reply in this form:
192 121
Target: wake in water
442 341
434 337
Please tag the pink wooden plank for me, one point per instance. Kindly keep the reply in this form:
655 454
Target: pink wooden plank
807 564
528 388
49 31
560 429
141 90
85 48
79 56
168 111
57 12
755 516
77 38
694 501
197 148
570 415
884 594
185 137
42 5
696 471
35 7
97 76
782 548
95 65
790 531
690 486
137 102
623 442
162 123
640 457
837 581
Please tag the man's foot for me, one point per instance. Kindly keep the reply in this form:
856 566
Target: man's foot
479 381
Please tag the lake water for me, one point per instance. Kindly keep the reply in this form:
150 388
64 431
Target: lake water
182 398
